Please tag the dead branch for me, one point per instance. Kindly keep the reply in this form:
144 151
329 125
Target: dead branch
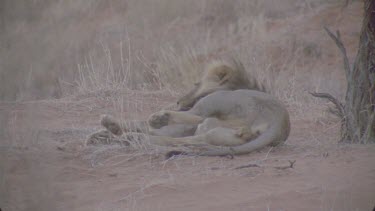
247 166
338 105
340 45
334 111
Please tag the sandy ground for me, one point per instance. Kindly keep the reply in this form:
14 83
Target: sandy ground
45 166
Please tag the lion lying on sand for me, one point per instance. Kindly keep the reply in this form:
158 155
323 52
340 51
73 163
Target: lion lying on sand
226 113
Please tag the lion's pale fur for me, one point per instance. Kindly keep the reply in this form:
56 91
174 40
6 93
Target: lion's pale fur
226 112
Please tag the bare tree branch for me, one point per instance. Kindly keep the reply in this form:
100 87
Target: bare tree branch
334 111
341 46
339 106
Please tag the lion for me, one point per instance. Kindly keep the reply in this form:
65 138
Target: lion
226 113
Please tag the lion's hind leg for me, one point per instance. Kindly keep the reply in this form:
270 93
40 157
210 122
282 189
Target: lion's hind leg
222 136
164 118
219 136
177 130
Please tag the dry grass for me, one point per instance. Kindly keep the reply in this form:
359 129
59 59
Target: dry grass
133 42
167 55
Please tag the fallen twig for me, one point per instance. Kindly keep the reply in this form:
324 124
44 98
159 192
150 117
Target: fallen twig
253 164
247 166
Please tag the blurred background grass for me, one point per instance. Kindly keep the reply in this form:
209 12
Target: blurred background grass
52 48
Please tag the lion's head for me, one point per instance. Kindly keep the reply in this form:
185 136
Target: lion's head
219 75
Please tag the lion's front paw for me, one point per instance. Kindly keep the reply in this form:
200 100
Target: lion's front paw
159 119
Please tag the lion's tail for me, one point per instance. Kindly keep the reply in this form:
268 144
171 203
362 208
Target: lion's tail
271 135
278 132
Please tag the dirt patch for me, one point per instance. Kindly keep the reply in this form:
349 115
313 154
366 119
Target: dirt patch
45 166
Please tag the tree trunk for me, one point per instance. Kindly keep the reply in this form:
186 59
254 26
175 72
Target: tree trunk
358 111
359 108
